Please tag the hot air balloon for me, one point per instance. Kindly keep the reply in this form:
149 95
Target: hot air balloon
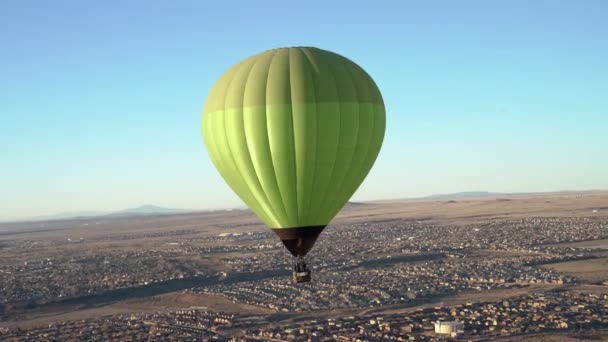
294 131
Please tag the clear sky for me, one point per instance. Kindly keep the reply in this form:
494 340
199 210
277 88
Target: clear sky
100 101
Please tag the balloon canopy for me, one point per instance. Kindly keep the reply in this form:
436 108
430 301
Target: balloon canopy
294 131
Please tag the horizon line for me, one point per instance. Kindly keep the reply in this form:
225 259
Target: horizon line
177 211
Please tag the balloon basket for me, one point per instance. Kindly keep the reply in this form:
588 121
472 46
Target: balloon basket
301 273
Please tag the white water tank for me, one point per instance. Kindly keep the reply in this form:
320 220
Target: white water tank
448 328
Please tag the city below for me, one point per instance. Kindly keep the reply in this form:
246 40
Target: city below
508 267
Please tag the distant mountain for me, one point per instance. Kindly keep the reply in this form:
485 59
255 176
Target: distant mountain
143 210
465 194
148 209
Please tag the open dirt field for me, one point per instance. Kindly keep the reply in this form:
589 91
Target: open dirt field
601 244
565 337
166 302
592 270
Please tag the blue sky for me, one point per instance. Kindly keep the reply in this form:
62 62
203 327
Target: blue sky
100 102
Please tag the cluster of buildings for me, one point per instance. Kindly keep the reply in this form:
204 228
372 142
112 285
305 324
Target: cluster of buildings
355 266
359 242
197 325
410 262
394 284
447 252
533 231
534 313
39 281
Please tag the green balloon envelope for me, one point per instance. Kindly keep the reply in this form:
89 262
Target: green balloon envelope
294 131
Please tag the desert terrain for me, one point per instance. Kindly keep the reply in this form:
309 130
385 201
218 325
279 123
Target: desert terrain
409 262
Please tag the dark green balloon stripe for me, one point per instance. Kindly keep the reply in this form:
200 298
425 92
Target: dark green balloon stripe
308 133
349 138
316 59
354 173
348 118
365 154
328 130
362 167
352 127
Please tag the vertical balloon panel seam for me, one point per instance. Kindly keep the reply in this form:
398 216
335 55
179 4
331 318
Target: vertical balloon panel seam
264 193
224 162
320 214
365 166
328 197
368 81
339 199
295 147
370 149
275 175
287 210
314 117
354 179
351 180
220 164
293 141
230 163
325 191
230 153
316 139
371 158
381 138
377 143
263 204
359 173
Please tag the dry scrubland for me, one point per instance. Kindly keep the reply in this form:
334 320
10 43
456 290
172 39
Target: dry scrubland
189 242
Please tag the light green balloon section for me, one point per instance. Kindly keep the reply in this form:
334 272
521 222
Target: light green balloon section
294 132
